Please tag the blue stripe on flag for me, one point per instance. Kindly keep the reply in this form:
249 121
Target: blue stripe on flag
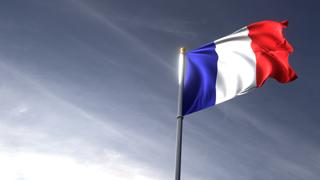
200 79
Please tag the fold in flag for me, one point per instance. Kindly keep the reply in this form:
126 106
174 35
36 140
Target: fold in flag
236 64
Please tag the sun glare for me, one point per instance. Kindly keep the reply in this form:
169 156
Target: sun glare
34 166
180 70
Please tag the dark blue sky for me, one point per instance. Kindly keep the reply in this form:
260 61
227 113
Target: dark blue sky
88 90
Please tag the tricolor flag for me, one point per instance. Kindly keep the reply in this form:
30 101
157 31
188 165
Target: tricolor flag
236 64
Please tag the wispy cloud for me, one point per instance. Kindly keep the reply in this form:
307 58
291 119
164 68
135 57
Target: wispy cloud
175 27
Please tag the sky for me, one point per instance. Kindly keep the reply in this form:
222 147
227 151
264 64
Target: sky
88 90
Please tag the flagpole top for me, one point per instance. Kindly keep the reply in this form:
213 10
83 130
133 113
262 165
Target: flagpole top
182 50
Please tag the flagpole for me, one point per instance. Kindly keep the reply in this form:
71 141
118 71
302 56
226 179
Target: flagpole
179 113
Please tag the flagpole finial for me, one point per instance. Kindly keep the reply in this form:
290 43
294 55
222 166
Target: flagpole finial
182 50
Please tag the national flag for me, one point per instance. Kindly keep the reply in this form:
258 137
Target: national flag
236 64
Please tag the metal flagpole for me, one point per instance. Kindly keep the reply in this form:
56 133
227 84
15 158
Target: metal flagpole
179 114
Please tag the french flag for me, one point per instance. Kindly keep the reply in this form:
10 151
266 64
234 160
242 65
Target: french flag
236 64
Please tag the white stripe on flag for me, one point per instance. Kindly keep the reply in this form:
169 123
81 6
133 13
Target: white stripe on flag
236 65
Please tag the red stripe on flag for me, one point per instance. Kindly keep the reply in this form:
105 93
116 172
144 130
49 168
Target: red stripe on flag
271 50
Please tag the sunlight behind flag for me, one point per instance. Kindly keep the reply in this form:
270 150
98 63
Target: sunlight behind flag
180 65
